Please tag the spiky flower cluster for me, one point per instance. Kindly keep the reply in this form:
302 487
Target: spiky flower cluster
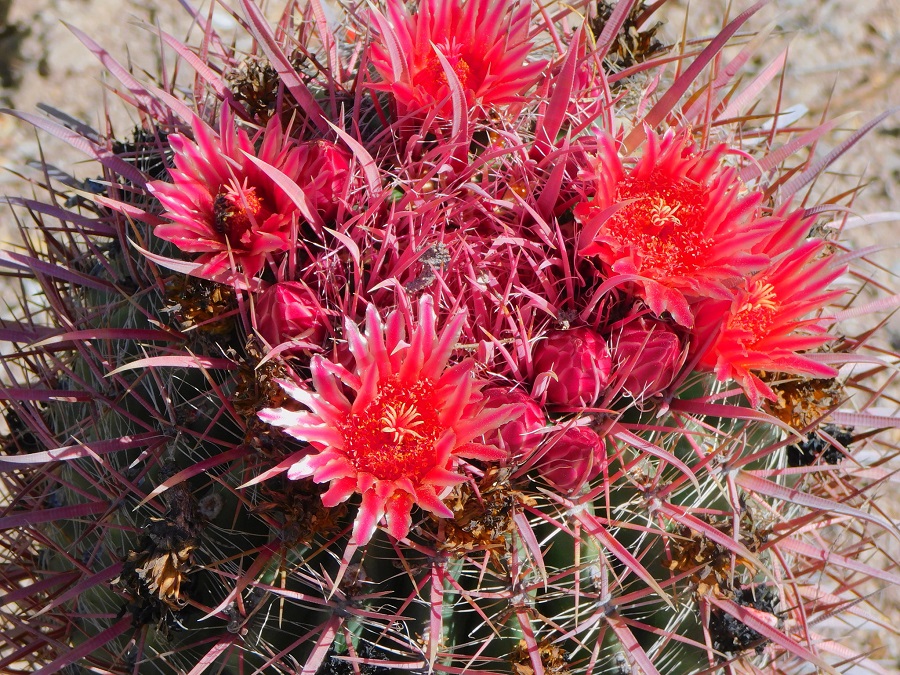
433 344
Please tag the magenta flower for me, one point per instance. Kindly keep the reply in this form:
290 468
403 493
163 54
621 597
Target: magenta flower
484 42
288 311
763 328
394 427
573 458
651 352
577 364
684 225
225 206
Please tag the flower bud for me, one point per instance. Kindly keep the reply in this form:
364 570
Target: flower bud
653 353
326 169
286 311
521 436
579 363
573 458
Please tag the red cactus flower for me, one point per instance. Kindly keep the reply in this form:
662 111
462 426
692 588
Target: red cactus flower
484 42
651 353
521 436
399 436
573 458
223 203
762 327
682 225
287 311
578 364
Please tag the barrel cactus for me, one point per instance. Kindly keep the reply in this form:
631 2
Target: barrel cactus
472 336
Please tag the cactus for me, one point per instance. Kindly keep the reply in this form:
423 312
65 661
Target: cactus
464 337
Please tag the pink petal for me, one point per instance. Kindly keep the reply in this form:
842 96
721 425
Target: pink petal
370 512
443 478
487 420
366 481
326 435
488 453
399 518
337 467
339 491
428 500
302 469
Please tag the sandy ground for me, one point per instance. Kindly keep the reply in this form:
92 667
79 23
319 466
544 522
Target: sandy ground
844 57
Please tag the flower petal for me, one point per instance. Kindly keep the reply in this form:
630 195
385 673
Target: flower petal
399 519
427 499
370 512
339 491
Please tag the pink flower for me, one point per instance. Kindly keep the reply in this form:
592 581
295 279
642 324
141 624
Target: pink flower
578 364
573 458
677 220
224 205
484 42
521 436
288 311
651 353
394 427
762 327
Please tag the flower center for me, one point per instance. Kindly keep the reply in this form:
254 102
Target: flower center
432 76
756 313
236 211
394 437
664 226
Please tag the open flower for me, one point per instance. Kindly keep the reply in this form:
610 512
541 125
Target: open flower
677 220
484 42
225 205
394 426
763 327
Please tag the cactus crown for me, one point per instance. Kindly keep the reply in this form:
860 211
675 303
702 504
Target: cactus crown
462 337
